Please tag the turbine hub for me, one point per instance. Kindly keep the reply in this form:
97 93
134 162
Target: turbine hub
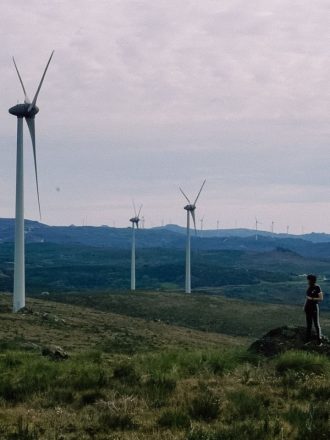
22 110
190 208
134 220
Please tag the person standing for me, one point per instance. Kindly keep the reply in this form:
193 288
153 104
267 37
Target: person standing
314 296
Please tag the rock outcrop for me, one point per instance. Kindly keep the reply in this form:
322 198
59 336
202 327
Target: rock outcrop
287 338
55 353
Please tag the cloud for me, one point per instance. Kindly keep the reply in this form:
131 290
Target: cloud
142 96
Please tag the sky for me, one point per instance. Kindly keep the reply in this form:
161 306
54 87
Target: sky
144 96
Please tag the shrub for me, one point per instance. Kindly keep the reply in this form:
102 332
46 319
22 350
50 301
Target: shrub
199 434
176 418
313 423
295 415
30 376
205 406
61 395
84 376
248 430
312 391
158 389
247 405
188 363
126 373
23 375
303 362
90 397
23 431
112 419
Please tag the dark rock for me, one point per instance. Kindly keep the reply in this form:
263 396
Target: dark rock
283 339
52 318
25 311
55 353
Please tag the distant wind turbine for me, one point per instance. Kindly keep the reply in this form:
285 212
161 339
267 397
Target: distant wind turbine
272 227
28 111
287 229
218 226
257 227
135 224
202 225
190 208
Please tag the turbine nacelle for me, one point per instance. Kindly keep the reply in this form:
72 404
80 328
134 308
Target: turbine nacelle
135 220
190 208
23 110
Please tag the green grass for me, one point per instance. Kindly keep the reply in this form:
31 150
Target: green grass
303 362
205 405
210 313
173 383
174 419
181 364
23 375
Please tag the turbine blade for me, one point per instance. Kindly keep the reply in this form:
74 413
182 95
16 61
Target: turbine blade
199 192
40 84
134 207
26 99
31 125
139 211
194 220
185 196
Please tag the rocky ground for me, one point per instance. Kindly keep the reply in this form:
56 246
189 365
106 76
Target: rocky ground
286 338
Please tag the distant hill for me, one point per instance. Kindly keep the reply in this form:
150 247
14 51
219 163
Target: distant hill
315 237
313 245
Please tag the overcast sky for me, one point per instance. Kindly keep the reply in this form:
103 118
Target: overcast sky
145 95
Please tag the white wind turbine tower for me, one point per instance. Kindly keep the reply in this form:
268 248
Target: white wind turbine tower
257 227
190 208
27 110
202 225
135 224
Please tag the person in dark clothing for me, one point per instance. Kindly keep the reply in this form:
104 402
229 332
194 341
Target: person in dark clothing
314 296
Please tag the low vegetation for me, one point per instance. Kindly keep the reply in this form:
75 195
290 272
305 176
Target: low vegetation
167 382
92 396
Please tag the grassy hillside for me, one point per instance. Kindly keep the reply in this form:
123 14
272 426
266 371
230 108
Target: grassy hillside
130 378
198 311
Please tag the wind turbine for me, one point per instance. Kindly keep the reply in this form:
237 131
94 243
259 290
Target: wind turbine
190 208
218 226
257 224
202 225
272 227
27 110
135 224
